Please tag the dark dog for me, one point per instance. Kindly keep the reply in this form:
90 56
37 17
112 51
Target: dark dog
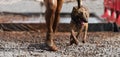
79 22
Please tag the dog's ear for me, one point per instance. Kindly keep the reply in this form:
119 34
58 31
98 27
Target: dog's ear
74 11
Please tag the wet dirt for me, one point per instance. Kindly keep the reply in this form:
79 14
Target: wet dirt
32 44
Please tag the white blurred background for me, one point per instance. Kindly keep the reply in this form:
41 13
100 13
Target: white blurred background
95 6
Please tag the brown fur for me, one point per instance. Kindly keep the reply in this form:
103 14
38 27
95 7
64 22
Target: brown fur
79 22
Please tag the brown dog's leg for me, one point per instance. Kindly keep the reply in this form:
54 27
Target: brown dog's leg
73 38
84 26
85 33
80 31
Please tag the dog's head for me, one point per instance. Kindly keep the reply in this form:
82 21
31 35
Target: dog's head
80 14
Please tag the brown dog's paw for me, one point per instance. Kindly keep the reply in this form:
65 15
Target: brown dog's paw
74 42
83 41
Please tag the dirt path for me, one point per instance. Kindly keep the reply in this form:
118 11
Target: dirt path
31 44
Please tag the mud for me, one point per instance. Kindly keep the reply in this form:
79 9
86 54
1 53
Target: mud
31 44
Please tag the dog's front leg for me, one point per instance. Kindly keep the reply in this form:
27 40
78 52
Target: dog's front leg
80 31
85 33
73 38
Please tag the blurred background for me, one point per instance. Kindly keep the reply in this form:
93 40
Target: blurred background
21 6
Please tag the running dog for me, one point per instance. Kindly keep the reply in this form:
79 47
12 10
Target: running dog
79 22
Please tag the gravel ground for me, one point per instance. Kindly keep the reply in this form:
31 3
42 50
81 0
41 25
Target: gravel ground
31 44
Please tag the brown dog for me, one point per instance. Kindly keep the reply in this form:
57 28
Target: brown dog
79 22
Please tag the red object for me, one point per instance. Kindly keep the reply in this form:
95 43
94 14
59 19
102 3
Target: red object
106 14
118 20
112 4
106 3
112 18
118 5
114 7
106 10
109 3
